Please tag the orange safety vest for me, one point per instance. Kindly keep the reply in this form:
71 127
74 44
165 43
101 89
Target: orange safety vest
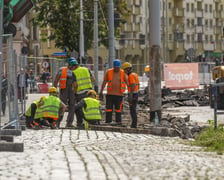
63 78
110 77
133 77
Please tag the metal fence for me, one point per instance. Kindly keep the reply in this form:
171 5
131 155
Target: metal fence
9 115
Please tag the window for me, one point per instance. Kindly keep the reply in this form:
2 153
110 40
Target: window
199 19
34 32
170 37
188 7
221 7
192 7
206 38
170 21
199 37
188 22
192 22
211 38
210 8
206 22
170 5
206 8
192 37
188 38
211 23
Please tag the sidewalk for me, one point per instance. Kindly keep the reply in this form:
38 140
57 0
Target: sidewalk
69 154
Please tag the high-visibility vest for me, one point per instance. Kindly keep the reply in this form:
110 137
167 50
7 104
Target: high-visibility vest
110 77
49 109
91 111
28 112
83 78
131 77
63 78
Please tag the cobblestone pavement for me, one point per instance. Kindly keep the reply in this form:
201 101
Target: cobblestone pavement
78 154
69 154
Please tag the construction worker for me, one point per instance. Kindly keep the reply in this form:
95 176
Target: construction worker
133 89
50 108
84 79
90 107
68 87
147 70
116 81
30 112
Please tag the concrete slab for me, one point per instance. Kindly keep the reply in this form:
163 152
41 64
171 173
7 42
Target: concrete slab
7 138
12 147
13 132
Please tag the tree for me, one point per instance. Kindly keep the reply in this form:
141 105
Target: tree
64 19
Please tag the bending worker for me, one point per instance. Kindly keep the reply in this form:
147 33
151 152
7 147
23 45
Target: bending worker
116 81
84 79
50 108
30 113
68 86
133 89
90 107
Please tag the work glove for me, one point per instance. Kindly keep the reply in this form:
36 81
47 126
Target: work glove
130 98
101 96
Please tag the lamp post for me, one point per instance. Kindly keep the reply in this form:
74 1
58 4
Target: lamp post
81 37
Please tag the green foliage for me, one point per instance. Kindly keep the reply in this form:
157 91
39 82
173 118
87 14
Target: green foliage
63 16
212 139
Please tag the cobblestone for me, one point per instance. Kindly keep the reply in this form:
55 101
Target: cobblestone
69 154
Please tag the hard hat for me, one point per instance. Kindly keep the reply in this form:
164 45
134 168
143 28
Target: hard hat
117 63
147 68
53 90
72 61
90 92
126 65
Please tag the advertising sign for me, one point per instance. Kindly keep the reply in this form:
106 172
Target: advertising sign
181 75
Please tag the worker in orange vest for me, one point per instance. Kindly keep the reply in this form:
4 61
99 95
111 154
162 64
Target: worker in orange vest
68 87
116 81
133 89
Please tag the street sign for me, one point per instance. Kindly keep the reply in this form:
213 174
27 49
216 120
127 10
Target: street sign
45 64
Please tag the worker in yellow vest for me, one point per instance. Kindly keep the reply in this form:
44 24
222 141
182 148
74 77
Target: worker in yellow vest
68 86
50 108
30 112
90 108
84 79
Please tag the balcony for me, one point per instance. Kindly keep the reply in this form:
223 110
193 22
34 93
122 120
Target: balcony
178 12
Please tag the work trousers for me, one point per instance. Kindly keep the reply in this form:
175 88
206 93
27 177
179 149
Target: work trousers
113 101
133 112
67 96
78 112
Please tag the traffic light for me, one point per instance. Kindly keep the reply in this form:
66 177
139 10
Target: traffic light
13 12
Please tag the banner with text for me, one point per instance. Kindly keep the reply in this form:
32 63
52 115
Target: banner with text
181 75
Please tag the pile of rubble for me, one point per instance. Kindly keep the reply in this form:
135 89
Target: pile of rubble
169 125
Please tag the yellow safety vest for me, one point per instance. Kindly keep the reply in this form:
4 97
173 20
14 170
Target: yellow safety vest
49 109
83 78
92 109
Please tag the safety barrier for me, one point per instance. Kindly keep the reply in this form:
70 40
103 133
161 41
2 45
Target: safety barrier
10 123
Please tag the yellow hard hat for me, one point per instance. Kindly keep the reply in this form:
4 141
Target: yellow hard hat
92 92
126 65
53 90
147 68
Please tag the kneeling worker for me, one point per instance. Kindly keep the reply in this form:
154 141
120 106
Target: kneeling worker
30 113
90 107
50 108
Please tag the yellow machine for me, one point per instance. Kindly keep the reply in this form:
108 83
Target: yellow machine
218 77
